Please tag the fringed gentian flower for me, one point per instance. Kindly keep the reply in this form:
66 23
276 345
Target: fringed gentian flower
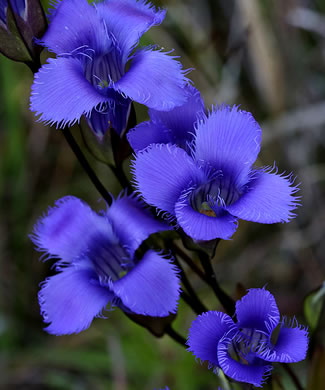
93 44
97 264
208 190
246 349
175 126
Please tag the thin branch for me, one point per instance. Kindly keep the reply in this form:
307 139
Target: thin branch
84 163
192 300
227 302
197 308
121 177
175 336
187 259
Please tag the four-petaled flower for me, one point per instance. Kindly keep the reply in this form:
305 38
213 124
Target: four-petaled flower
208 189
93 44
97 264
246 349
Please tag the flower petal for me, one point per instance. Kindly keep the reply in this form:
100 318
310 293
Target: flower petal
269 198
150 69
255 373
127 20
67 229
258 310
229 140
180 120
205 333
162 173
203 227
175 126
291 345
132 223
61 94
151 288
70 300
147 133
75 26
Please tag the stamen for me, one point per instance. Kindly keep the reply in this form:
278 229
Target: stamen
211 198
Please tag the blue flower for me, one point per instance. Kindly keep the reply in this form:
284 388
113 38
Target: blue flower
97 264
175 126
207 190
93 44
18 7
244 350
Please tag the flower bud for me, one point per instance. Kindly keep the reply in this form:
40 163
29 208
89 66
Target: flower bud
20 22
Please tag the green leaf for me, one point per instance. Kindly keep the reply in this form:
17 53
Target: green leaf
313 305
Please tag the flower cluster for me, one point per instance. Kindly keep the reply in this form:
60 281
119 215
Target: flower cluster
97 264
246 349
195 166
94 44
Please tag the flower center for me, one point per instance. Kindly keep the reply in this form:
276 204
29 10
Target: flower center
244 346
211 198
101 70
109 260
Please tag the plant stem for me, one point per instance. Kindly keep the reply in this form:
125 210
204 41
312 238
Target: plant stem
121 177
84 163
175 336
191 299
195 306
226 301
187 259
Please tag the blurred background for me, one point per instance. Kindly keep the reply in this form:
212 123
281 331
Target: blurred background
267 56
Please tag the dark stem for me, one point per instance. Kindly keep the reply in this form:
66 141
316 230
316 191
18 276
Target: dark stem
293 377
84 163
197 309
187 259
175 336
34 67
191 298
227 302
121 177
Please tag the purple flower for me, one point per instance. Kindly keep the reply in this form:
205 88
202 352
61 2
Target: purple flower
93 44
244 350
207 190
175 126
97 264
